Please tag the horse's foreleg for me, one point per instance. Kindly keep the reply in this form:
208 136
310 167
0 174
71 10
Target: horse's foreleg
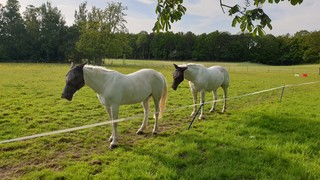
114 115
202 94
215 97
225 91
108 109
145 105
195 99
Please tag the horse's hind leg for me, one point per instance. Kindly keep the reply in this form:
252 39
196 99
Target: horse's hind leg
156 116
145 105
215 97
202 94
225 91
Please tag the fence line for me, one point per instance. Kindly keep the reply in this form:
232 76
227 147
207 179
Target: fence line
141 115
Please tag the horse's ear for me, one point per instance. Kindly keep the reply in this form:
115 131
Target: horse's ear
81 65
72 65
176 66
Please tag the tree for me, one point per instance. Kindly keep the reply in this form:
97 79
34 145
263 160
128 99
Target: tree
2 39
47 34
114 17
291 49
200 50
229 47
312 44
142 45
72 36
33 25
163 45
132 43
97 32
189 41
12 31
250 19
267 50
52 32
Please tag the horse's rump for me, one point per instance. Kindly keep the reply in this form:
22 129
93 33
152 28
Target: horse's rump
220 75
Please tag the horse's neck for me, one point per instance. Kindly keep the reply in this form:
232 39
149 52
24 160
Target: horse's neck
96 79
191 73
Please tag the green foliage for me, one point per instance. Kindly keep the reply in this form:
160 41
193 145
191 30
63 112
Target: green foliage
142 44
267 50
42 35
222 46
46 34
168 12
312 45
257 138
12 31
97 28
253 20
52 32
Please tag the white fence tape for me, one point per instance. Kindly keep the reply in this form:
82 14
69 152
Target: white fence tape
139 116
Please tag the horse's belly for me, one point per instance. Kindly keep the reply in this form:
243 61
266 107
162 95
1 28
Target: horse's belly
131 101
204 86
132 98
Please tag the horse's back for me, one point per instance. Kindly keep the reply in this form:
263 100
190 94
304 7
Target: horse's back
148 79
221 71
219 76
148 75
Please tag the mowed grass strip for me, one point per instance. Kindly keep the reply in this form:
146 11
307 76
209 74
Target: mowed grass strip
257 138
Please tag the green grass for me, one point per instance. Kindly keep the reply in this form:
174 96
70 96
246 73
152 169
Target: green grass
257 138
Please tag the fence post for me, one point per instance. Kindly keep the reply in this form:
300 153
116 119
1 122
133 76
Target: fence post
195 115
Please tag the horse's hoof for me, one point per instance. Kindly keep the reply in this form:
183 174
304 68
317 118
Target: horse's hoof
139 132
202 117
154 132
112 146
212 110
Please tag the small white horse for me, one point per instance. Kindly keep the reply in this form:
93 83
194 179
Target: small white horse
202 79
114 89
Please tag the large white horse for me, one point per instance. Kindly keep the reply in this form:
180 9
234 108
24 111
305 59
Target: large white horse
202 79
114 89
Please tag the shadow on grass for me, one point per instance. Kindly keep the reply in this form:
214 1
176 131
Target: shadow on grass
261 147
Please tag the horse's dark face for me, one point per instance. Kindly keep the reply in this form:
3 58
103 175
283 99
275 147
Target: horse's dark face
178 76
74 81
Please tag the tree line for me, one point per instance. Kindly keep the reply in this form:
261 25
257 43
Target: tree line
40 34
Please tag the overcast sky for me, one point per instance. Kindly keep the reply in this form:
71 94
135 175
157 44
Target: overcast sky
202 16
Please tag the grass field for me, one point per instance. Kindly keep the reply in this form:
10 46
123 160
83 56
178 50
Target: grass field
257 138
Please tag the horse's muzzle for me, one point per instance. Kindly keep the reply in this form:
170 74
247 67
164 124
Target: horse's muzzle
174 87
67 96
68 93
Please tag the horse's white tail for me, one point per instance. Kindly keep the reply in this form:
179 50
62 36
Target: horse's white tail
163 99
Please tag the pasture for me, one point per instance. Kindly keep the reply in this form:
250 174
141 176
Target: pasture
257 138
